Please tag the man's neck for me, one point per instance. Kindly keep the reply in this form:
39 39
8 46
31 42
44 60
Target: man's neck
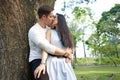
41 23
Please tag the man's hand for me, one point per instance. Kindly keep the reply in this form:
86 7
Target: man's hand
68 59
38 70
68 52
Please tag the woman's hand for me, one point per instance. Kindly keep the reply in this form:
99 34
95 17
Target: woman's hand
67 60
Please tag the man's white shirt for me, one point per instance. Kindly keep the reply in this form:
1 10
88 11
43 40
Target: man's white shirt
37 42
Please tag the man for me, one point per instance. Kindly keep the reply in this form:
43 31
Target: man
38 42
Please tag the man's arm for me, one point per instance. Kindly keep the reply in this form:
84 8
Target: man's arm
37 37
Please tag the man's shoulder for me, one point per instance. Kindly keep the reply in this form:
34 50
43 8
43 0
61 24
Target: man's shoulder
33 30
33 27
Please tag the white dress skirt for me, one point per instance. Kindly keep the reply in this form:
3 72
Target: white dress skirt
57 68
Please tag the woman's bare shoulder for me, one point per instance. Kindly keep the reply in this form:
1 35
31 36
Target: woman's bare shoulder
49 30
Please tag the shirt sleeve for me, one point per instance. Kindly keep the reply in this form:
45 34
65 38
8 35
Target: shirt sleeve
36 37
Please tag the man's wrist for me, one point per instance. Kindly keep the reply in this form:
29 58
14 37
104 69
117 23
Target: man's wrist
65 53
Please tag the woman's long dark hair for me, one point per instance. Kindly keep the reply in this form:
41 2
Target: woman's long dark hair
65 34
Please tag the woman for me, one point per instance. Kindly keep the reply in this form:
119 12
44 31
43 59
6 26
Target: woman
58 67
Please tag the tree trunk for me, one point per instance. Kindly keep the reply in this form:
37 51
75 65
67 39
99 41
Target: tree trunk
117 53
16 17
84 49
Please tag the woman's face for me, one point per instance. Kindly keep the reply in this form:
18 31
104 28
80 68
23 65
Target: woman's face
55 22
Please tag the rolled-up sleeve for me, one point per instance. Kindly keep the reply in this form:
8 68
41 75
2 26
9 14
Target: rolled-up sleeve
39 39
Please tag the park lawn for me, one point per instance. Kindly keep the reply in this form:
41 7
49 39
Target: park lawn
98 73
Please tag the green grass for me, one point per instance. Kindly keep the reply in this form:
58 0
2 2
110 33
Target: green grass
98 73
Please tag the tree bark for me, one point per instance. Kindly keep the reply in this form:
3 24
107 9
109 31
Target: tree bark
16 17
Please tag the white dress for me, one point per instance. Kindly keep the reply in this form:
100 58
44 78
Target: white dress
57 68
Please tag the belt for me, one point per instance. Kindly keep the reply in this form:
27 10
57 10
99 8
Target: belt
56 55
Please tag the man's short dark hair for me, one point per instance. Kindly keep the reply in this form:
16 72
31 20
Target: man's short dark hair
44 10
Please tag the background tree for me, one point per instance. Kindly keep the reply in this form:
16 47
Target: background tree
106 39
76 32
83 16
16 17
81 19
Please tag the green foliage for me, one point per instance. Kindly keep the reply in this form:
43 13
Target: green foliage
81 13
78 12
106 61
75 31
107 24
96 61
82 19
73 3
106 39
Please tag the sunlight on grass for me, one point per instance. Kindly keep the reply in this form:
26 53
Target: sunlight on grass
99 73
89 72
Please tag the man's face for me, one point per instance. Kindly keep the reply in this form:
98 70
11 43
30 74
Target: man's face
50 19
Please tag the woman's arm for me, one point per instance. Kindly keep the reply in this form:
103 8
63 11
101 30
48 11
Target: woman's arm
41 67
44 53
44 57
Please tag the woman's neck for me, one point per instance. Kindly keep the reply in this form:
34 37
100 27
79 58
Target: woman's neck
56 27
